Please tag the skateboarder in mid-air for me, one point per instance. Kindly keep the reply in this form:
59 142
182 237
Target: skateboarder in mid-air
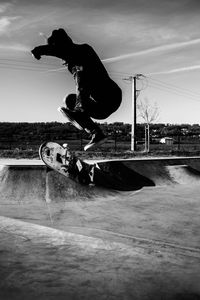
97 95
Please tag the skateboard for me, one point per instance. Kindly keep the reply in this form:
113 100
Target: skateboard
63 160
112 175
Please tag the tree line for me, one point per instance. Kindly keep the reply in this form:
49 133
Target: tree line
36 133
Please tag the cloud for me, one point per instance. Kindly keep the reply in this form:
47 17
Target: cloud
152 50
15 47
183 69
4 7
5 23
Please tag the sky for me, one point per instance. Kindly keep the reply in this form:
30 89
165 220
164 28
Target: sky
159 39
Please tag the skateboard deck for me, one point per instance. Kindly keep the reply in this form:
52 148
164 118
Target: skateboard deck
113 175
62 160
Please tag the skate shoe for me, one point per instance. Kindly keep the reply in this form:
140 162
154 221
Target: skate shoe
97 139
70 115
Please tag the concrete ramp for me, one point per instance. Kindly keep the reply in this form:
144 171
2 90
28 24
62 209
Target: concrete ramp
184 174
61 240
31 183
119 176
158 172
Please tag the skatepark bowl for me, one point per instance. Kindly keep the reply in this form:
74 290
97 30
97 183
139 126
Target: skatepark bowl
133 236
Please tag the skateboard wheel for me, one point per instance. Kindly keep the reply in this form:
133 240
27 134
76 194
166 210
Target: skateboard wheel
65 145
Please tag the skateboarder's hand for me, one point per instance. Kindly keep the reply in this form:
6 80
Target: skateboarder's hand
36 53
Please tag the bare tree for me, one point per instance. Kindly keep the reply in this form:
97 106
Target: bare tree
149 113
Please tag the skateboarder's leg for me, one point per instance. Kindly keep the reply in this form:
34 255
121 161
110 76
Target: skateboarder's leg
70 101
99 108
91 107
81 120
97 136
102 104
84 117
94 109
82 88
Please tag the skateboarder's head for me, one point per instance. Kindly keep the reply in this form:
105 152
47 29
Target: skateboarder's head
59 37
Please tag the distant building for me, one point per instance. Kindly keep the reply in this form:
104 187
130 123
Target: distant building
167 141
184 131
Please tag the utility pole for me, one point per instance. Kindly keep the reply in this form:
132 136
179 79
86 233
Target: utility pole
133 80
147 139
134 114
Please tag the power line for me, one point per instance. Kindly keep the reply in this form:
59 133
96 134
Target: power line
172 86
20 68
16 64
23 65
27 65
33 64
175 92
26 62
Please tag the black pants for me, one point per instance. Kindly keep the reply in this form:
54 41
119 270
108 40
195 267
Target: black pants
104 102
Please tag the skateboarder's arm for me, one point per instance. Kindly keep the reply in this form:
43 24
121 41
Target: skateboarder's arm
44 50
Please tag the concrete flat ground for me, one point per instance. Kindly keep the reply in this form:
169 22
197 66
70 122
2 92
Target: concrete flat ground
96 243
